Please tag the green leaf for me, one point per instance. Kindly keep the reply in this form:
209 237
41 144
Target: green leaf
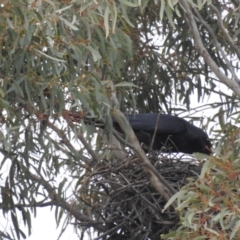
173 198
130 4
170 4
106 20
125 15
15 224
95 53
114 16
169 13
61 100
162 9
2 94
63 9
50 57
143 4
126 84
235 230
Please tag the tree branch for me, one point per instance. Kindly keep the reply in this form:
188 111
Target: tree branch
89 149
228 38
59 201
230 68
67 143
231 83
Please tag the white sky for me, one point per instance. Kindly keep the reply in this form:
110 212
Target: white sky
44 227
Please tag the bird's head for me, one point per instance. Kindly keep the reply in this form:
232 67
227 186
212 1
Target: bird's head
202 143
206 144
200 140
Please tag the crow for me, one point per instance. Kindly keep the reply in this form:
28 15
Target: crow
173 134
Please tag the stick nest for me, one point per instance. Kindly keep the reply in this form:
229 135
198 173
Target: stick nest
123 200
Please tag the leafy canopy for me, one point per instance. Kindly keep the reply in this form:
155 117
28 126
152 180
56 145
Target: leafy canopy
64 61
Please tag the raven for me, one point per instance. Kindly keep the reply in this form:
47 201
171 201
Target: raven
173 133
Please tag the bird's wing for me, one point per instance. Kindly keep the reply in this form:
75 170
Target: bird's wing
167 124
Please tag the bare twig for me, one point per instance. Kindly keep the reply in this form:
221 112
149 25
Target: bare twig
155 131
89 149
114 144
230 68
114 229
68 144
59 201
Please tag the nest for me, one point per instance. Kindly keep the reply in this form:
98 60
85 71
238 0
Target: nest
129 206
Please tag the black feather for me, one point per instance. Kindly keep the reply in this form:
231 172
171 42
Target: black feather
174 133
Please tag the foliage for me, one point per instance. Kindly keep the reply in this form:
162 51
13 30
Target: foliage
209 206
65 63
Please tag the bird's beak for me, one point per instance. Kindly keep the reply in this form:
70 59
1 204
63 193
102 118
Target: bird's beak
208 148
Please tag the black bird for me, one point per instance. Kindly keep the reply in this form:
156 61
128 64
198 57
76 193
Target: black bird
173 133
